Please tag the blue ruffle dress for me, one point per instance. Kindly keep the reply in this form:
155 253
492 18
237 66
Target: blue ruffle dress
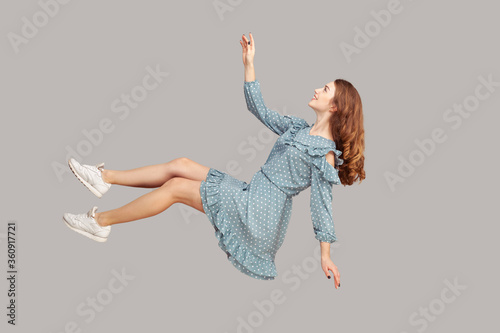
251 219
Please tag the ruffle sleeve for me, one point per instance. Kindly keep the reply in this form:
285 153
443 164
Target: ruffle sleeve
325 169
317 150
321 208
255 103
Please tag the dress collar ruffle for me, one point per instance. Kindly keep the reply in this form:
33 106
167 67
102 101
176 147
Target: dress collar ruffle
314 145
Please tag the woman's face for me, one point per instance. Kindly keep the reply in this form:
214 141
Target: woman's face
322 101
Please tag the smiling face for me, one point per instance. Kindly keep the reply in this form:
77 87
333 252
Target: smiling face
322 101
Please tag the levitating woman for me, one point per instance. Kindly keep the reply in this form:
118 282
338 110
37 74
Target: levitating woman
250 219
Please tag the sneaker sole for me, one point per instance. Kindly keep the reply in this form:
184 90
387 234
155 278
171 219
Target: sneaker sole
89 235
87 185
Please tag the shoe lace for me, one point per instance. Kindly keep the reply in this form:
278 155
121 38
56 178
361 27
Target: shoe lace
87 170
80 220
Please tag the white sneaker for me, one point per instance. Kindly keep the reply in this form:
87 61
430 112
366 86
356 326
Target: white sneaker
90 176
86 225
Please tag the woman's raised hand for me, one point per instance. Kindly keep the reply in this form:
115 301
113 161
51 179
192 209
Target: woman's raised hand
248 50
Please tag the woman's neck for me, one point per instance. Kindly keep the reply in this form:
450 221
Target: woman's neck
322 126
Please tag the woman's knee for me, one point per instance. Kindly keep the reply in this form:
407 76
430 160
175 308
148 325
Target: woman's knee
176 185
172 182
183 190
182 161
189 169
179 164
175 167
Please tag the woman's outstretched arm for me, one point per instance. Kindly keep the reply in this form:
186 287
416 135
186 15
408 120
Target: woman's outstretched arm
255 102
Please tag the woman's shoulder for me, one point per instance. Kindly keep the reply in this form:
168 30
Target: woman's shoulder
330 158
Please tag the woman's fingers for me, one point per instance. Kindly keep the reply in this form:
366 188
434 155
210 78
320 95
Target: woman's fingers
245 43
327 268
251 39
247 40
336 275
248 49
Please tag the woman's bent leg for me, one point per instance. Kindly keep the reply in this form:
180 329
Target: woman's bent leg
177 189
156 175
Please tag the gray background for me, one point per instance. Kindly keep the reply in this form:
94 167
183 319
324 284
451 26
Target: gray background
396 247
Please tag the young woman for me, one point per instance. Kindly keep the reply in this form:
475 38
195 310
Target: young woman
250 219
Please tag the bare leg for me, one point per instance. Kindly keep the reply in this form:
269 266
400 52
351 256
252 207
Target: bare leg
157 175
177 189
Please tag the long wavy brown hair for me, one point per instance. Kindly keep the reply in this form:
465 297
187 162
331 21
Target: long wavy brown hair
348 132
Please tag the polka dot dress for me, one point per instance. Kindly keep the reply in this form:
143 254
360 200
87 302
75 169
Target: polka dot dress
251 219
